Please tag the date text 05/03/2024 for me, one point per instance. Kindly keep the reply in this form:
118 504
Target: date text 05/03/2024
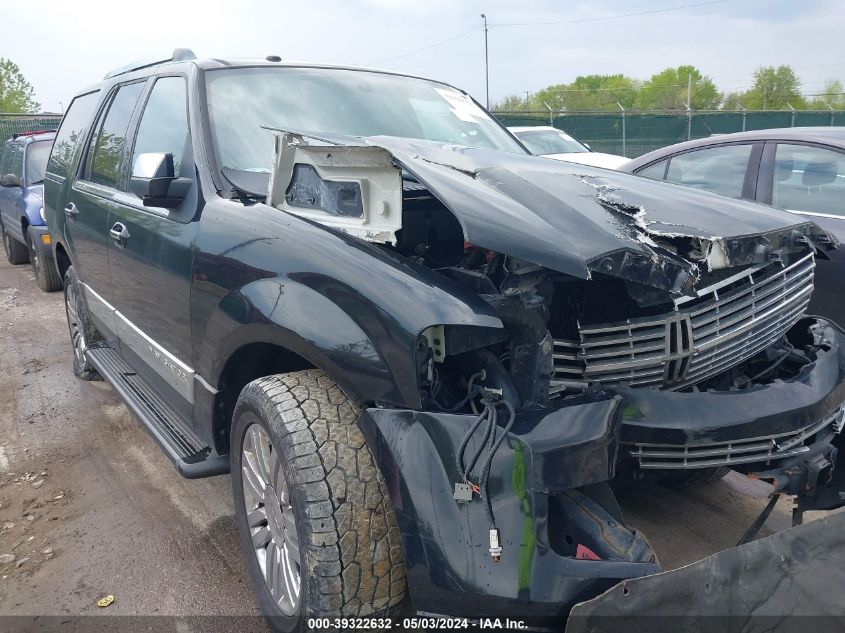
416 623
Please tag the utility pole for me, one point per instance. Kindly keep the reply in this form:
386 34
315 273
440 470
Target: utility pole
486 63
689 106
741 107
689 90
551 113
830 107
793 114
624 135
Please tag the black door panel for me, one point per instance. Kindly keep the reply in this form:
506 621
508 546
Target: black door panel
92 198
151 254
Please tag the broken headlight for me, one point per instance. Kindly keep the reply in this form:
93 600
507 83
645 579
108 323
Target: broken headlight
307 190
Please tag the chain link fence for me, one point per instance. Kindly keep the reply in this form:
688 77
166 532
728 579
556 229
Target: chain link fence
632 134
11 124
627 134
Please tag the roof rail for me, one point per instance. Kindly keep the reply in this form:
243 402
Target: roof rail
179 55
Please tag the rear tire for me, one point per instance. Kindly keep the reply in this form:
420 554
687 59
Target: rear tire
83 334
696 477
336 521
46 273
16 252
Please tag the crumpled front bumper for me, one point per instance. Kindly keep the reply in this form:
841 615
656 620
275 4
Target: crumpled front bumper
545 486
760 425
541 521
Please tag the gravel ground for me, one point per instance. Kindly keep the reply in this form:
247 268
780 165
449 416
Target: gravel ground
90 506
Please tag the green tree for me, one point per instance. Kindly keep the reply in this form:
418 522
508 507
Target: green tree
832 95
667 90
774 89
511 103
16 93
589 92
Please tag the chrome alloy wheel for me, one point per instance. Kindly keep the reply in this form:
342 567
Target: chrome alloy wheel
270 518
77 338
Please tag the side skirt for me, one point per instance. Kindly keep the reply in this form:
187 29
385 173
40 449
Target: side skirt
191 456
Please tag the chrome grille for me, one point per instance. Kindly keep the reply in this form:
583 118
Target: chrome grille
725 324
757 449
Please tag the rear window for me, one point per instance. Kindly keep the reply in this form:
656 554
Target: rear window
71 131
719 169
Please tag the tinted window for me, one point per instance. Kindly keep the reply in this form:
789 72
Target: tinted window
36 161
164 124
809 179
5 157
107 149
656 171
718 169
13 159
72 129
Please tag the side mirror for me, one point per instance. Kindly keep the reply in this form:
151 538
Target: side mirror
588 147
10 180
154 181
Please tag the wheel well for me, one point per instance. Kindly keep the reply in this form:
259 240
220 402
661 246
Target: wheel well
62 260
245 365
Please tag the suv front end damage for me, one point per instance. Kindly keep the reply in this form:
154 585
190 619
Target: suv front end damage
645 327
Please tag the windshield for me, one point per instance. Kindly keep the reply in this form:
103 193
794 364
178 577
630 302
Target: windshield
332 101
543 142
36 161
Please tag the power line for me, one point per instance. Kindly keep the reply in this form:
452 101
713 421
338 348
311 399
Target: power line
611 17
425 48
585 19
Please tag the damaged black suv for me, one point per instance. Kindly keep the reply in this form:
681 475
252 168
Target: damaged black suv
422 353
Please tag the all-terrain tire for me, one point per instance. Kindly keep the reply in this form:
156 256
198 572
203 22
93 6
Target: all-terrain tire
16 252
83 333
349 545
696 477
46 273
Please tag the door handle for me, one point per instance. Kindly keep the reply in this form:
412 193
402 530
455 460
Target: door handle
119 233
71 210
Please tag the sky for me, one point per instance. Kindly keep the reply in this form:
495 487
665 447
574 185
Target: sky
61 47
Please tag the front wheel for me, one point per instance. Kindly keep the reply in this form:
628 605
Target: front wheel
16 252
46 273
315 521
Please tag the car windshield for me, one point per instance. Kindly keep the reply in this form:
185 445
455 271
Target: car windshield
336 102
543 142
36 161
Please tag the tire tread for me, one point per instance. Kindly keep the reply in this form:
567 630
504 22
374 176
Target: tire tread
352 539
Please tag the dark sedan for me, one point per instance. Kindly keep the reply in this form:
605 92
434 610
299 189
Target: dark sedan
799 169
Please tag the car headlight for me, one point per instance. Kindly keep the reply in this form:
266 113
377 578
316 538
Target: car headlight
41 213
